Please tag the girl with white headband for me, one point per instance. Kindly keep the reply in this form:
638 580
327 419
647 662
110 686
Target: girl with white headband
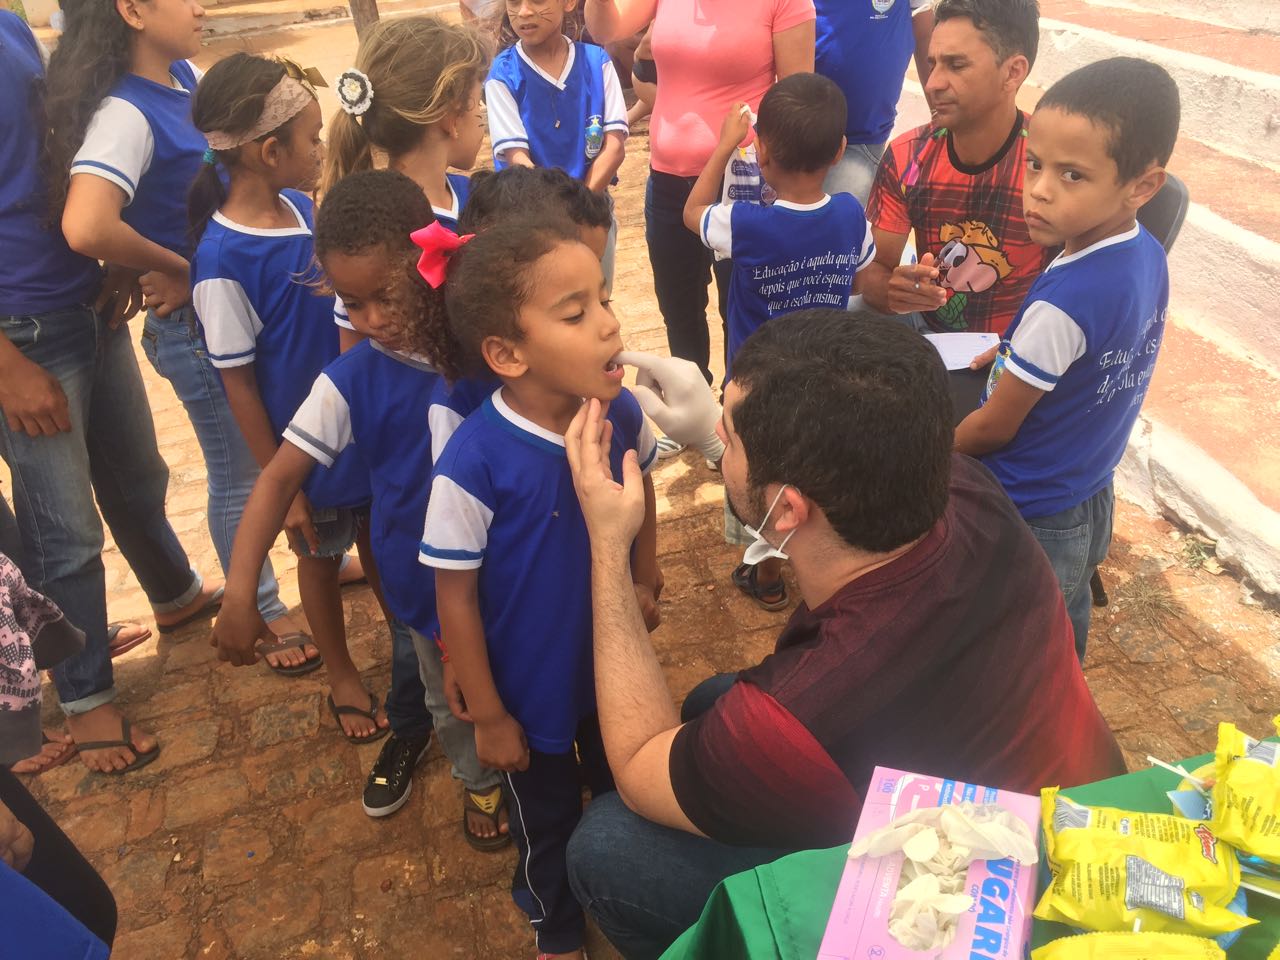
269 333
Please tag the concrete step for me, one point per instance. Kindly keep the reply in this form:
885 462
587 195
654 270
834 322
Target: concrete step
1261 17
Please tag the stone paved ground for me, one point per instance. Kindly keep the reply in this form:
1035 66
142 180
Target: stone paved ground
246 838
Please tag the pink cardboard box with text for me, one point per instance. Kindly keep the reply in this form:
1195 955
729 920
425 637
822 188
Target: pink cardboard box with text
999 923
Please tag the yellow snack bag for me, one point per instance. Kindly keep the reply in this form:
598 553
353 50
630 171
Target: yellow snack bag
1246 793
1130 946
1112 867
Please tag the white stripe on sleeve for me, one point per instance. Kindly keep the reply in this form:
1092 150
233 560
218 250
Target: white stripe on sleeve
717 228
117 146
456 531
868 248
1046 342
322 426
231 324
615 107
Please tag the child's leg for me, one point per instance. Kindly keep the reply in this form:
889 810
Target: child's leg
391 778
458 741
546 805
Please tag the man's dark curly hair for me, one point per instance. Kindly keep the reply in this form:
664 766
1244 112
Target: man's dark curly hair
379 209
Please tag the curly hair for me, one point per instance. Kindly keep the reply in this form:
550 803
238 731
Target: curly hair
91 56
421 70
376 211
531 192
492 277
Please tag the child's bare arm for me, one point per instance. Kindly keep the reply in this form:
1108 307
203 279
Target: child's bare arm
517 157
997 422
500 741
605 166
733 131
240 626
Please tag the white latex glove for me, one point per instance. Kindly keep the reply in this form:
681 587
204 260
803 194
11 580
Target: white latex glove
675 397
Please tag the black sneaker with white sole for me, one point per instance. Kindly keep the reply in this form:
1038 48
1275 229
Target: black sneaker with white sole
391 778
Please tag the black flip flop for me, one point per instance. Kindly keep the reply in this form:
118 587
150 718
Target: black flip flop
290 641
370 714
204 613
126 740
114 630
472 803
746 579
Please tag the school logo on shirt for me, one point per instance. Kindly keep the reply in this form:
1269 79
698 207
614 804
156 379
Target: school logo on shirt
881 7
595 136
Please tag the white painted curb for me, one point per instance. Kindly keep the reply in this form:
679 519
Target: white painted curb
1165 473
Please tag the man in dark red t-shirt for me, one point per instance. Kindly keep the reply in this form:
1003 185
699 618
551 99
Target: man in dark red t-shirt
932 636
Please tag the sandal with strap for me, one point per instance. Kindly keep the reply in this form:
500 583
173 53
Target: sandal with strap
290 641
488 805
771 596
116 646
140 759
370 714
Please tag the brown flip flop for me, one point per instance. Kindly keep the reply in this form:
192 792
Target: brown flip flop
126 740
290 641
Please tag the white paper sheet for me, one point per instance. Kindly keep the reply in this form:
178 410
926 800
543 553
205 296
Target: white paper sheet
958 349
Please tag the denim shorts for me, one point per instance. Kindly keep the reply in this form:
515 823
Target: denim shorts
336 529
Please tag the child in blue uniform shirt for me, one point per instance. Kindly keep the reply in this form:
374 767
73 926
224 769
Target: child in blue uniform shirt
375 396
801 251
506 535
268 333
1074 366
555 102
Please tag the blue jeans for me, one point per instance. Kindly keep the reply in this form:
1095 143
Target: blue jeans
682 270
176 349
110 453
856 171
644 884
1077 540
406 703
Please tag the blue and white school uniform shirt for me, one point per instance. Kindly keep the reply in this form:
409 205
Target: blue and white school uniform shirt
459 190
503 502
141 138
253 298
864 46
561 121
787 256
452 403
41 273
377 398
1088 335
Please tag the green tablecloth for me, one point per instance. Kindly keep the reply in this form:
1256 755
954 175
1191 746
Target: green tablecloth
779 911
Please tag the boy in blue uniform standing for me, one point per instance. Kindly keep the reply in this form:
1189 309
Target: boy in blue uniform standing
803 250
555 102
1074 366
507 539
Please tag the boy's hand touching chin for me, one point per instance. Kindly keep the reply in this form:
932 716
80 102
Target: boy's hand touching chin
500 744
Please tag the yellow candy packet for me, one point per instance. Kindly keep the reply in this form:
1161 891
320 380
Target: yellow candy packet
1246 792
1112 867
1130 946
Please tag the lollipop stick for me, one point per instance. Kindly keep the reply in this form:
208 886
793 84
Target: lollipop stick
1180 771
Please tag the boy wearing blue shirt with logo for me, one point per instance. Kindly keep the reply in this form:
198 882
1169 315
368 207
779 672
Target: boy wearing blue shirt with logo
1074 366
505 534
802 250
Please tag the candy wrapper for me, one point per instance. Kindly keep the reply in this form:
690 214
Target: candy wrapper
1114 867
1130 946
938 869
1246 793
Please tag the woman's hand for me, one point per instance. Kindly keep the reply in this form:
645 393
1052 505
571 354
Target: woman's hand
165 291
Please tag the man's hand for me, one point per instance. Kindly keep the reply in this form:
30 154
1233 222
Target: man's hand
914 286
673 394
237 632
500 744
613 511
648 598
736 126
453 694
299 528
32 399
16 842
165 291
120 296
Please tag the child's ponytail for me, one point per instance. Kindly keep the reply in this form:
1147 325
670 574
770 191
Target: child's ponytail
91 57
410 73
238 97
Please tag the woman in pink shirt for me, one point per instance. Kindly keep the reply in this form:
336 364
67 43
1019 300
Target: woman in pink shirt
709 54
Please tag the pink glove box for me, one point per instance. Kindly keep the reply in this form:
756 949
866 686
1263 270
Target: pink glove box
999 923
